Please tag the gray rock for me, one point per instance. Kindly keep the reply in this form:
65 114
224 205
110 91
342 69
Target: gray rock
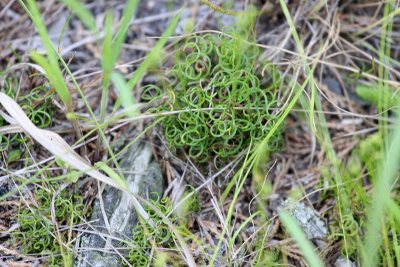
311 224
343 262
144 176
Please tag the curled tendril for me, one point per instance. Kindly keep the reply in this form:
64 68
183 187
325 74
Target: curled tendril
138 258
4 142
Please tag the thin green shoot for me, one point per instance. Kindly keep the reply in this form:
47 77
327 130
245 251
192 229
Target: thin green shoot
83 14
63 31
52 68
154 56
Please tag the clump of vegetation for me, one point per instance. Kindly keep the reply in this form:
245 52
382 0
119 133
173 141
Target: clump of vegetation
217 97
36 104
36 223
146 237
365 157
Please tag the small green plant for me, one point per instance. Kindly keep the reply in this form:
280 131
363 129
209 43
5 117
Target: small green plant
37 232
217 98
35 102
146 237
365 157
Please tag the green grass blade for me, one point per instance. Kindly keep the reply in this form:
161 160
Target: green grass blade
154 55
107 65
123 28
125 93
83 14
52 68
63 31
381 197
54 77
304 59
125 88
107 62
301 239
243 225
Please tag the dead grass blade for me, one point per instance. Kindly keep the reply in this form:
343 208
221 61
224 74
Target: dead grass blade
57 146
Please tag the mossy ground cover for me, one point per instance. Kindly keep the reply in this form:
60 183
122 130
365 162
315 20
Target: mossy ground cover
245 106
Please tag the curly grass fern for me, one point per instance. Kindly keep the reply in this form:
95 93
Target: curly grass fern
35 223
36 103
160 233
218 98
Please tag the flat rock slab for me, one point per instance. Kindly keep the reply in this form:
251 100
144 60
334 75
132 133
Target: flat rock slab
143 176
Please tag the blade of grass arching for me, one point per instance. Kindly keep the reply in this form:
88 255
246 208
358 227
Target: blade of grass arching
381 198
155 54
53 70
299 46
83 14
301 239
248 220
54 76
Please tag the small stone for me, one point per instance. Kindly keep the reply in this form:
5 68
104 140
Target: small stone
307 219
343 262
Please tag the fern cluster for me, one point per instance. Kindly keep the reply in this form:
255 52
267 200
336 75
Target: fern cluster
365 157
161 234
36 104
35 223
216 99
